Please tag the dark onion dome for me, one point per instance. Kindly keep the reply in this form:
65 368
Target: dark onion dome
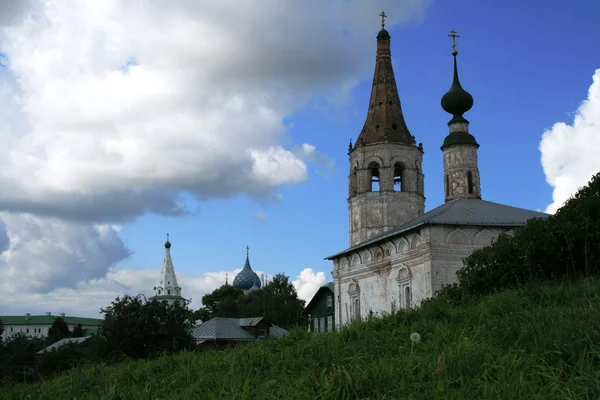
383 33
457 101
246 278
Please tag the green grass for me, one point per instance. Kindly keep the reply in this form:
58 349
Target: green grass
540 342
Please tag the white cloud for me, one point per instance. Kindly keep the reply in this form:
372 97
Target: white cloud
308 282
570 152
111 109
261 216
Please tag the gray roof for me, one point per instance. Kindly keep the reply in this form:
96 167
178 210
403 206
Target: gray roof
63 342
459 212
220 328
277 331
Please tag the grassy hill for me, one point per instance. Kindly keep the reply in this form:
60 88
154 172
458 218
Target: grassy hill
538 342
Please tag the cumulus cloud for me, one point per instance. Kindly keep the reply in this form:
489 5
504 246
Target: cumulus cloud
570 152
112 109
87 298
308 282
115 108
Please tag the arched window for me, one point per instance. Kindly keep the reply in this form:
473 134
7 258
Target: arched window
356 309
470 182
169 291
374 174
399 177
407 297
447 185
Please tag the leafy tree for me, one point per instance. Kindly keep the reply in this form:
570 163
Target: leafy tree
1 331
58 330
277 301
78 331
564 246
137 328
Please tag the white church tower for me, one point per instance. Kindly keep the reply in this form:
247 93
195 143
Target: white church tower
167 289
386 182
461 173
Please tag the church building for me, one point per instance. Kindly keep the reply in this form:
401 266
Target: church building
167 289
399 254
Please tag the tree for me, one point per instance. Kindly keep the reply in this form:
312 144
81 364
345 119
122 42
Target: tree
138 328
1 331
78 331
58 330
277 301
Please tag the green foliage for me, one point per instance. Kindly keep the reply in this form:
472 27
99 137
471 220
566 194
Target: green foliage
277 301
535 342
78 331
138 329
18 358
1 331
562 247
58 330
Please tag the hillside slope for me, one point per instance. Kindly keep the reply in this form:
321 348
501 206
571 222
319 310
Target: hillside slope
540 342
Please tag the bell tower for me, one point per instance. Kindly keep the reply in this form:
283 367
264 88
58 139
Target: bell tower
386 181
461 172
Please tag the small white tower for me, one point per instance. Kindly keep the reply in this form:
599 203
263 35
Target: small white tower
167 288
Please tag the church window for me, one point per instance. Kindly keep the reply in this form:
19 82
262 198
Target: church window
356 309
407 297
390 102
374 172
27 330
354 183
447 185
399 177
470 182
380 103
394 126
169 291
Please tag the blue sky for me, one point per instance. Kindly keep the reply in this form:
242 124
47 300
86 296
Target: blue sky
229 126
527 66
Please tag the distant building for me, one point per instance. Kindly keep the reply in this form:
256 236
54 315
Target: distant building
247 280
167 289
37 326
320 310
220 332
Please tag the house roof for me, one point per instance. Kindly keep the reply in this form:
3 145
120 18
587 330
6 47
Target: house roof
47 320
326 287
459 212
63 342
220 328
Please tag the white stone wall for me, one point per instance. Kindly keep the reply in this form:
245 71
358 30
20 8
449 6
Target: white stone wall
33 331
422 260
459 160
372 213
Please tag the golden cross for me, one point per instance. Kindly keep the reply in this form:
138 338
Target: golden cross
453 35
382 15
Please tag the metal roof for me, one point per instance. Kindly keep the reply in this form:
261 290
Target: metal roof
220 328
459 212
277 331
327 286
63 342
252 321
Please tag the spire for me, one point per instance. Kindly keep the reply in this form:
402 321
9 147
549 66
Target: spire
457 101
385 120
167 286
226 279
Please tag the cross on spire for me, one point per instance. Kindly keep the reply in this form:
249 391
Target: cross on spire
453 35
247 251
382 15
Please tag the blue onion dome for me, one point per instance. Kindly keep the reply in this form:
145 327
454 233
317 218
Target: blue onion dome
246 278
254 287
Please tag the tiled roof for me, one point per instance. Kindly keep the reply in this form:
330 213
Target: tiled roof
63 342
47 320
460 212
